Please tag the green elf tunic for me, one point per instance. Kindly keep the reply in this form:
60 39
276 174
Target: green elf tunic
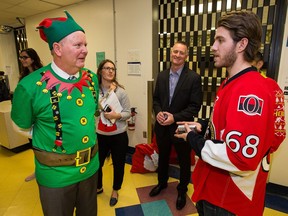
61 113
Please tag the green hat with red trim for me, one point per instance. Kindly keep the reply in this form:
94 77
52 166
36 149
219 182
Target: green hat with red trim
55 29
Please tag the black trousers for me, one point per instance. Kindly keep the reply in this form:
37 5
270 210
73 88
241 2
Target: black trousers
117 145
63 201
182 149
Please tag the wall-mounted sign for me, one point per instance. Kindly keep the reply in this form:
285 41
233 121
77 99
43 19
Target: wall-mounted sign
134 63
100 56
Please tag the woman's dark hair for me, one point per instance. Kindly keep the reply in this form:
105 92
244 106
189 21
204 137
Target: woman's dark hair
99 72
259 57
36 64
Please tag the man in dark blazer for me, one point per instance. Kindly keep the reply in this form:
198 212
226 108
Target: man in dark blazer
177 97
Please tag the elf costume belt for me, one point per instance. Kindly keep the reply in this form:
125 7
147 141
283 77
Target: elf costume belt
80 158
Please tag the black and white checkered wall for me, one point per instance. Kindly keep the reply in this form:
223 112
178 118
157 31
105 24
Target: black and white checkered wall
194 21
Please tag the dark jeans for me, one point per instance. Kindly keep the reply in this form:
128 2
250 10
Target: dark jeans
63 201
205 208
117 145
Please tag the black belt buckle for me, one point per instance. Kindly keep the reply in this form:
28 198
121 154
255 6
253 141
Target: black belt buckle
83 157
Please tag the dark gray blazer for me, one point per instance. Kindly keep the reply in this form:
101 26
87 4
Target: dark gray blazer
186 101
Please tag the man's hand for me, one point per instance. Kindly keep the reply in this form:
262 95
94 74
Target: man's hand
165 118
198 128
181 135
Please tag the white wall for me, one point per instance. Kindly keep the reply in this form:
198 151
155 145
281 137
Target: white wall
133 31
279 173
8 58
94 16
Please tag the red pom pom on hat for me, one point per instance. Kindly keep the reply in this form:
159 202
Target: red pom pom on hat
46 23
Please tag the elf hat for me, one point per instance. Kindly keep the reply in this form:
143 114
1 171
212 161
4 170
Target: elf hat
55 29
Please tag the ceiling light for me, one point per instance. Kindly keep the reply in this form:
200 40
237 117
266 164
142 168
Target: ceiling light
5 29
218 7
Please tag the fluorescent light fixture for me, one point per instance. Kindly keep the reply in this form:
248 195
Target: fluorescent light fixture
218 8
163 33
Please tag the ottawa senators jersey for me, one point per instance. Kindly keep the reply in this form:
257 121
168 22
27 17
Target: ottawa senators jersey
247 124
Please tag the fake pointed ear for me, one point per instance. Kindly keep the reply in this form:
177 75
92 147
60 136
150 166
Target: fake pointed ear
242 44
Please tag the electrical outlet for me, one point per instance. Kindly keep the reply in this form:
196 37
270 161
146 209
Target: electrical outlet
144 134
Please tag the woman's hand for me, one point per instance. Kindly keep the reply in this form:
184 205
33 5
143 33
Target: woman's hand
112 115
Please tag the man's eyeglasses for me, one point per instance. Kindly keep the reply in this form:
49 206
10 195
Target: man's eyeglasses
109 68
23 57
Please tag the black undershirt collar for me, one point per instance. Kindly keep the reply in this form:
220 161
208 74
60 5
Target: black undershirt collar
249 69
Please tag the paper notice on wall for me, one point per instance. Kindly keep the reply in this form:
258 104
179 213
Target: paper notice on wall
8 70
134 68
134 62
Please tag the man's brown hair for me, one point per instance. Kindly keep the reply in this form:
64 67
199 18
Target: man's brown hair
244 24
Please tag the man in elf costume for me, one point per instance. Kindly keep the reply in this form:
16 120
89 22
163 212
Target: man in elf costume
56 104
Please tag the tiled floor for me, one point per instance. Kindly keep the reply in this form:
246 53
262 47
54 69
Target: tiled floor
20 198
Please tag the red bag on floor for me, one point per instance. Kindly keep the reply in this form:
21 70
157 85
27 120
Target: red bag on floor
145 158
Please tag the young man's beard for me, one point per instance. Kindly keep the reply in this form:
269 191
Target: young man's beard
228 59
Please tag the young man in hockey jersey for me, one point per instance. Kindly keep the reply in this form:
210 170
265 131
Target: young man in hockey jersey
246 126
